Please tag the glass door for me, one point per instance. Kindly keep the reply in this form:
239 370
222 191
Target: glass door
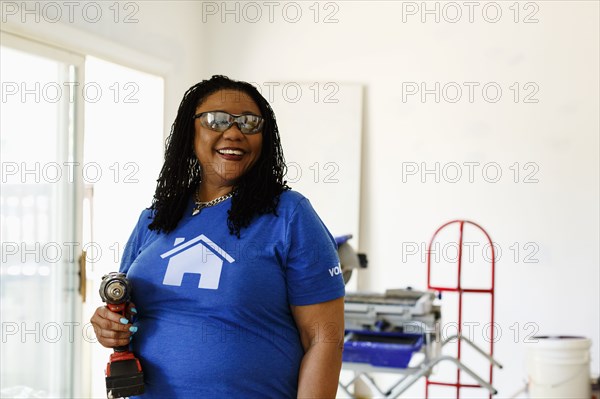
40 218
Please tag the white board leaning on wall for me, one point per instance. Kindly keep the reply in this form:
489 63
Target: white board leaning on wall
320 124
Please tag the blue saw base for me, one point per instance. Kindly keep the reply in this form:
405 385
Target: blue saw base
384 349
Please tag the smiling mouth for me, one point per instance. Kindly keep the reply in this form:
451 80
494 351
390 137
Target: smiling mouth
228 151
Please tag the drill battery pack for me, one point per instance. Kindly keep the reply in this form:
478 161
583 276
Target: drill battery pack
124 377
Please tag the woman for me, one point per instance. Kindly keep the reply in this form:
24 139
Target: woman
229 267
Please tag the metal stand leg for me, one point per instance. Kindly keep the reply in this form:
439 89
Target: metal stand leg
428 366
345 387
468 341
407 381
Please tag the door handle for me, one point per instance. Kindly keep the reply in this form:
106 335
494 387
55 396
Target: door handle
82 276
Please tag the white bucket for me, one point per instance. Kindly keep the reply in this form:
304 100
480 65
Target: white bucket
559 367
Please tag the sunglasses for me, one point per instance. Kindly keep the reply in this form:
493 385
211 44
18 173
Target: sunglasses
221 121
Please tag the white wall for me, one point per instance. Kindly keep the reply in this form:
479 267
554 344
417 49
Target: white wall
370 45
558 215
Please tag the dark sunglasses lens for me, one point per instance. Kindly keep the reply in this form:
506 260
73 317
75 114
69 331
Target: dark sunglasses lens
219 121
251 124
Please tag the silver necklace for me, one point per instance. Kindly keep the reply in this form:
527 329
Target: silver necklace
199 205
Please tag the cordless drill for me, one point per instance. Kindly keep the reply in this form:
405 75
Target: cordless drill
124 376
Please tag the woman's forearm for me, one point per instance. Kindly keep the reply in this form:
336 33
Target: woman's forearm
320 371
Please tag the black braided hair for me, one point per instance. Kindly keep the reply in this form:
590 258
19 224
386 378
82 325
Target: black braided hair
257 191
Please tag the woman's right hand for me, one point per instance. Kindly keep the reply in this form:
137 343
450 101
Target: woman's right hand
111 328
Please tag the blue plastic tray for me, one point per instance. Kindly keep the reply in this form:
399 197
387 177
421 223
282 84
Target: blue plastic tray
384 349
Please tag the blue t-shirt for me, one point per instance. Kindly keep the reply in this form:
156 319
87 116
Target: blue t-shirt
214 310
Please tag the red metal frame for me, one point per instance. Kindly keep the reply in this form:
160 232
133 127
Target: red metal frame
457 384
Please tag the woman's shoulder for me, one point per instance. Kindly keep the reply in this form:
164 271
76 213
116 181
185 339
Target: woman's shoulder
146 217
290 199
292 203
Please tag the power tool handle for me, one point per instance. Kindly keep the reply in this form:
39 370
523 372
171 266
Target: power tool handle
120 308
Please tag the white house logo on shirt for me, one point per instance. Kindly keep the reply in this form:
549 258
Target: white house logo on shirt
191 257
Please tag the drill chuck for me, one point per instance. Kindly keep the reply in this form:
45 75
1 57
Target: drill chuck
115 289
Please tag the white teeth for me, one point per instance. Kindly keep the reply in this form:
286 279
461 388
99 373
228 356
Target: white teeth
230 152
